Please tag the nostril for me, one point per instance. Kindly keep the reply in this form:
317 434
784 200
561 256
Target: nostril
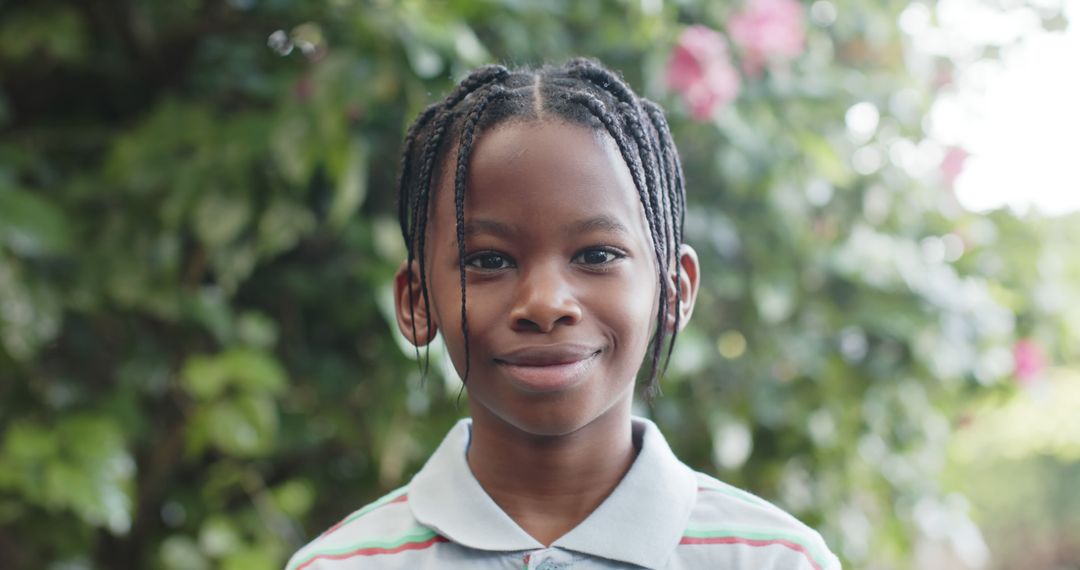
526 324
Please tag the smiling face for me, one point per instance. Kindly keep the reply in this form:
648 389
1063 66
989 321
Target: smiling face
561 278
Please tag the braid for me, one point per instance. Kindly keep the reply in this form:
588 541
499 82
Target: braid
649 165
598 109
591 71
471 83
468 131
673 168
407 200
420 208
633 112
676 200
660 234
413 230
475 80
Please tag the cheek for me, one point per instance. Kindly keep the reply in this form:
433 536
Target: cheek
629 309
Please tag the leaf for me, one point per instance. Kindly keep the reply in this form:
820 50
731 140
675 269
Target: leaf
31 225
218 536
283 225
203 377
182 553
294 497
825 159
245 426
254 370
250 558
219 218
352 184
256 330
249 370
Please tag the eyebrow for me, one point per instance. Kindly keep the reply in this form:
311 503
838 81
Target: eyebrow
600 223
497 229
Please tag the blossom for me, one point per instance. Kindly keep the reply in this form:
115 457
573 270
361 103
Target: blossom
1030 361
700 71
953 164
768 31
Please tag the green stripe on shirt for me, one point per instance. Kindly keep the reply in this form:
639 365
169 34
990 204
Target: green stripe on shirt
417 536
808 547
737 493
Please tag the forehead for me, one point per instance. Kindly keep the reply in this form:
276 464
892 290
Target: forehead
546 171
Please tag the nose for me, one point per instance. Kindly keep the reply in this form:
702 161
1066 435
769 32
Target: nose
544 299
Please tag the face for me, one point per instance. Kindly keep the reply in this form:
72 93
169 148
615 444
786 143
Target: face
561 279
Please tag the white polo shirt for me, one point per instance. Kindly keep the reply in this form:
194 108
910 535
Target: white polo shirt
661 515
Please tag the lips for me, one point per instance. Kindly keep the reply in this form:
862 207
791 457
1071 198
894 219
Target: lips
548 368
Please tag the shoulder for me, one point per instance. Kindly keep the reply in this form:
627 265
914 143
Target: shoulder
384 527
747 531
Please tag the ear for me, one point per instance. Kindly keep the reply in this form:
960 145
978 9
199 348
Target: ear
413 317
686 282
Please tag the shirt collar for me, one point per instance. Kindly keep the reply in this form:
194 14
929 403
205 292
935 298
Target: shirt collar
641 522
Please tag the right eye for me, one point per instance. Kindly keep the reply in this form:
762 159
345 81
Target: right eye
489 261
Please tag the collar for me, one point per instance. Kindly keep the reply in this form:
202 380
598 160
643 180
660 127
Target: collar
641 522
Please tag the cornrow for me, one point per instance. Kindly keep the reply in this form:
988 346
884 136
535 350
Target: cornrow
676 200
475 80
460 178
583 92
420 217
413 230
597 108
649 165
633 114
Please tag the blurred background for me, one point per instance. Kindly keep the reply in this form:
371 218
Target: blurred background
198 364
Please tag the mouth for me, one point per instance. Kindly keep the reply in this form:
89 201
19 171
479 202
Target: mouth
548 368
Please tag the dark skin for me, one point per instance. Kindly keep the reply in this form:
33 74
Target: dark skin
561 302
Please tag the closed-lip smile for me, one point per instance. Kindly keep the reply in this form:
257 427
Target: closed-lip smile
547 368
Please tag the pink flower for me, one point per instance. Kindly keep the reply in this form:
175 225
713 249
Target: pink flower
700 70
953 164
1030 361
768 31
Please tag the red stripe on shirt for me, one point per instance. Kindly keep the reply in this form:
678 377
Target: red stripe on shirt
373 551
751 542
399 499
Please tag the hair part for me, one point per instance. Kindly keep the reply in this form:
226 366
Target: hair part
582 92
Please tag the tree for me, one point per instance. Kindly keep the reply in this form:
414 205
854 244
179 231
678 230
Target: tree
198 367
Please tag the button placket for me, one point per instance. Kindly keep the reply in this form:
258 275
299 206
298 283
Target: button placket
549 559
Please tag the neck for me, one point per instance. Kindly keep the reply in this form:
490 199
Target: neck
550 484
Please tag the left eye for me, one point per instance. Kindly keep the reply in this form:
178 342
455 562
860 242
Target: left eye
489 261
596 256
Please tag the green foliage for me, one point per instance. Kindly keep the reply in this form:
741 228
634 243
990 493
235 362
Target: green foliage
197 364
1017 462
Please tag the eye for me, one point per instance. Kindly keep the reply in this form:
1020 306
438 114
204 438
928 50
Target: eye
489 261
597 256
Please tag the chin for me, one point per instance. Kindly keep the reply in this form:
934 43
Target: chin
549 419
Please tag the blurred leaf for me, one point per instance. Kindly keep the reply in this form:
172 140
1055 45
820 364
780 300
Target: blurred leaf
246 369
352 184
30 225
220 217
57 32
295 497
249 558
218 537
182 553
283 225
244 425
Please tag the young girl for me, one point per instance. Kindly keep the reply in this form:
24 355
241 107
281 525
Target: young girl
543 214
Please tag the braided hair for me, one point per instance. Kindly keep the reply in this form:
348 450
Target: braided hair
582 92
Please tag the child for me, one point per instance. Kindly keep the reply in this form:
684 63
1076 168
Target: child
543 215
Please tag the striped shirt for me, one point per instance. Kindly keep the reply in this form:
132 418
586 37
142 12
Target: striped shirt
661 515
